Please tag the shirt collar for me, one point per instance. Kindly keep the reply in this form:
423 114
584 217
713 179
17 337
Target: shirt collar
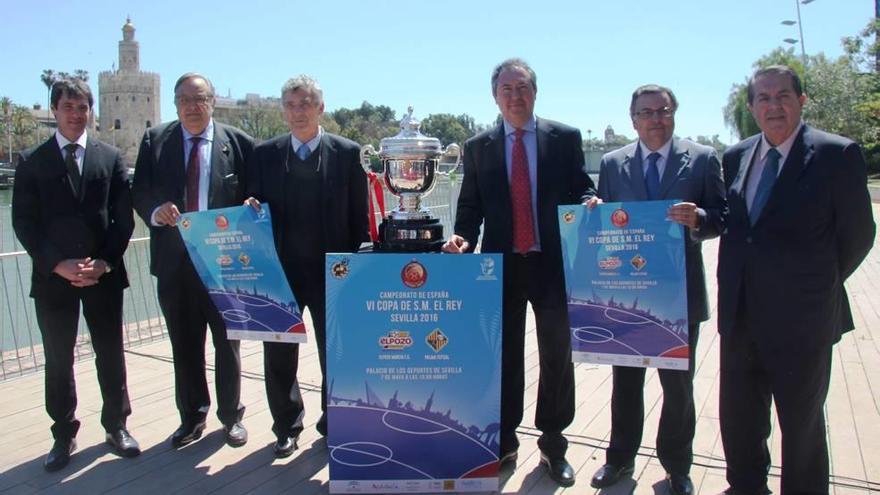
663 151
63 141
529 126
312 144
783 148
207 134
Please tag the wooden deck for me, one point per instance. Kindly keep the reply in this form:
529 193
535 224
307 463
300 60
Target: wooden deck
208 466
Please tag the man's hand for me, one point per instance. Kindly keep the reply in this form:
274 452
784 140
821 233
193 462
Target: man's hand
94 269
73 270
592 202
167 214
686 214
253 203
456 245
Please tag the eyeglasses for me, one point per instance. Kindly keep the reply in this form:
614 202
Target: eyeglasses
183 100
660 113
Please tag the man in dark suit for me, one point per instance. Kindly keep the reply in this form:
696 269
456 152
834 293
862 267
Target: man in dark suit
192 164
515 176
660 166
317 192
800 223
71 210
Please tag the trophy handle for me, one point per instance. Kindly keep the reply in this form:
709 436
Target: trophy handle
366 152
451 150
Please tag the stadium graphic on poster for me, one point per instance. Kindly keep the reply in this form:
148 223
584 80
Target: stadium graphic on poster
234 254
625 279
413 372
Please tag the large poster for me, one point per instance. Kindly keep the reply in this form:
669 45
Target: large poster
414 372
626 285
234 254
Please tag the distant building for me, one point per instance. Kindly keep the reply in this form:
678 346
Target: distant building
129 100
228 109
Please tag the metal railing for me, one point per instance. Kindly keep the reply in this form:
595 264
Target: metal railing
21 348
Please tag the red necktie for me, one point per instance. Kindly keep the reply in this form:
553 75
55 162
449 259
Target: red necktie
192 176
521 197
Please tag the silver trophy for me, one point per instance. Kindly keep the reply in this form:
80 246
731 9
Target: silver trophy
411 163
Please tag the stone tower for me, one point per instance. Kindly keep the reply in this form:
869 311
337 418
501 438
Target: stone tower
128 98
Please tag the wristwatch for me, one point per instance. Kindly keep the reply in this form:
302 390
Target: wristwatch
107 267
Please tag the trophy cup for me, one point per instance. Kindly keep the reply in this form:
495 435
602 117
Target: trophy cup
410 164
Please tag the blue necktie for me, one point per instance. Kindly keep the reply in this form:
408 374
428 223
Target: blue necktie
303 152
765 185
652 176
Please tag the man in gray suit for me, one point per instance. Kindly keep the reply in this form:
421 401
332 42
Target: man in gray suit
659 166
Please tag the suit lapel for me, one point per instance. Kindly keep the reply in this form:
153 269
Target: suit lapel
674 165
633 171
742 174
219 163
496 162
327 156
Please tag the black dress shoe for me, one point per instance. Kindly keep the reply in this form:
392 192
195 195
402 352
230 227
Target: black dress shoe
124 444
321 426
236 435
558 469
187 433
734 491
285 446
680 484
59 456
508 459
610 474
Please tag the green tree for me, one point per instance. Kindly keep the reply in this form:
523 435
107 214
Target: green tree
448 128
367 124
260 122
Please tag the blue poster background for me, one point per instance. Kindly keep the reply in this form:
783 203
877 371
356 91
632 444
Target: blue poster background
626 286
413 372
234 254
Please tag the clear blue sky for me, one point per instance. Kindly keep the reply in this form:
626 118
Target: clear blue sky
435 55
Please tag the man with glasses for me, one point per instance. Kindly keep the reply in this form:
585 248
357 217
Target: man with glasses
317 192
192 164
71 210
656 167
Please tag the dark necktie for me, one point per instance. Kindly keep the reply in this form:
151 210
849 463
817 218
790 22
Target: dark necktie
765 185
521 197
192 176
303 152
72 168
652 177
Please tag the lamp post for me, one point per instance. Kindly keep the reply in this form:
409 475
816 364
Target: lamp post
800 25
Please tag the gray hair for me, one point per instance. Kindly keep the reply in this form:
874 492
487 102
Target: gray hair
305 83
194 75
513 63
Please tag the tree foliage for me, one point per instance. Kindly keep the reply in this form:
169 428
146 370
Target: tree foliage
19 124
449 128
261 122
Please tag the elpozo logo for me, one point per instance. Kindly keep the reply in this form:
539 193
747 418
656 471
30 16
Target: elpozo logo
395 340
610 263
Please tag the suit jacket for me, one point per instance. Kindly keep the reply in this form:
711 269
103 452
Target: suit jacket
485 188
693 174
160 176
53 224
344 212
816 227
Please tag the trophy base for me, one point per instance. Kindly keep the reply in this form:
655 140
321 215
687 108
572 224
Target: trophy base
410 236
